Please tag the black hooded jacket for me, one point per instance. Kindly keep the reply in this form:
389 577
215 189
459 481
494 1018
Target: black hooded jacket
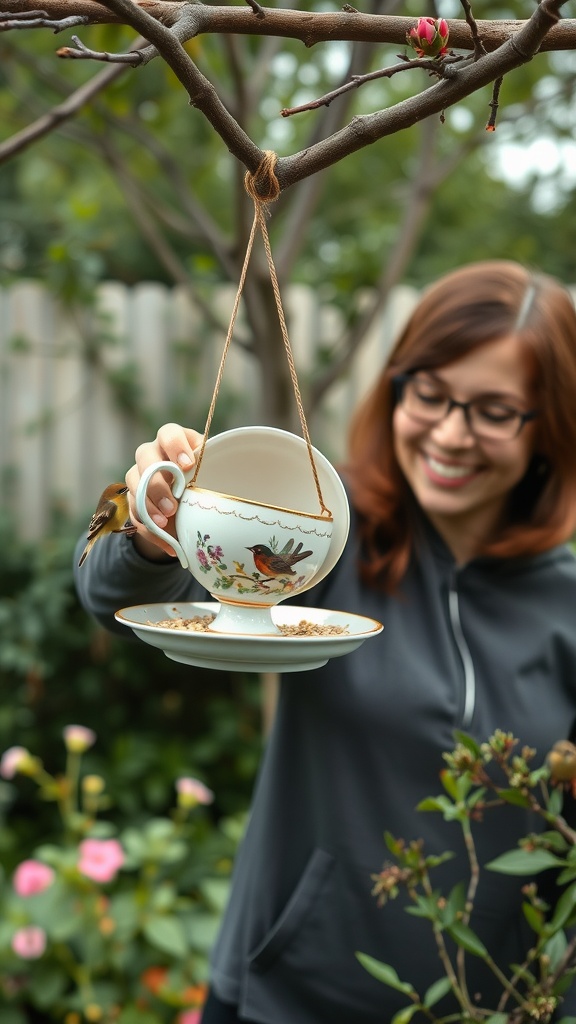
355 746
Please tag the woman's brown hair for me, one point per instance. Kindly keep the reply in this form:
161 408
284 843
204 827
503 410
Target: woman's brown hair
467 308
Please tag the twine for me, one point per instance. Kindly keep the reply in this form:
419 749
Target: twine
264 188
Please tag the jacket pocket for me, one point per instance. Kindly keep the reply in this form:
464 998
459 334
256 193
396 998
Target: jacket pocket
295 912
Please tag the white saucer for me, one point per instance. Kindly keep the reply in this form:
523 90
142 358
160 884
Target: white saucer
248 653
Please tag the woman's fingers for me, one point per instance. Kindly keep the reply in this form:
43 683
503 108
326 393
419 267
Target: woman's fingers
173 443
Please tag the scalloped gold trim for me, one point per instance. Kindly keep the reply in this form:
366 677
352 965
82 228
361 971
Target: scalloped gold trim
260 504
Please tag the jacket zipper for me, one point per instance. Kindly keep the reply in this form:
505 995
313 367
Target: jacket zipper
464 651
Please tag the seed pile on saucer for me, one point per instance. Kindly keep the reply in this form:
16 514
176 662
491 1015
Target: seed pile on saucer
305 628
197 624
202 623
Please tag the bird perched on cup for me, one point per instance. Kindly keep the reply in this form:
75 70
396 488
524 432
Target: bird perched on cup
270 563
111 516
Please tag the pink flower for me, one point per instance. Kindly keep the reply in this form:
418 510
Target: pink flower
189 1017
192 791
29 942
202 558
100 859
11 759
78 738
429 37
31 876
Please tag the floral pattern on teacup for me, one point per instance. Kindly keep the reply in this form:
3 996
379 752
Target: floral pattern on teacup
273 572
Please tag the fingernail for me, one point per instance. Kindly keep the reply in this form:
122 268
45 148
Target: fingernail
166 505
184 460
160 521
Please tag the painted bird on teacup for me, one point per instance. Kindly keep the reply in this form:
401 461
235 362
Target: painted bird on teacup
271 563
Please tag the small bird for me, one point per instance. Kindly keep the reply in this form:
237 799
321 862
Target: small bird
271 564
111 516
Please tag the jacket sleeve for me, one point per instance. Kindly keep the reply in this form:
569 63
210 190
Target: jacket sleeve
116 576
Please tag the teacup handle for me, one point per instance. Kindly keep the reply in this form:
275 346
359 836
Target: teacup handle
177 490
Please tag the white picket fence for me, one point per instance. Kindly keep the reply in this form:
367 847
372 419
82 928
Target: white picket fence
63 432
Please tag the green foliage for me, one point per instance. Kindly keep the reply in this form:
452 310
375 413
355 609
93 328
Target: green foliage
104 920
156 721
479 777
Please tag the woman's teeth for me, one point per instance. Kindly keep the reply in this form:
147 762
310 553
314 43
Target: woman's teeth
451 472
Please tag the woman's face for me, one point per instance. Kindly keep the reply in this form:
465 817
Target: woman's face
462 482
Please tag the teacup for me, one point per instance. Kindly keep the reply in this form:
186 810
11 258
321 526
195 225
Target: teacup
249 555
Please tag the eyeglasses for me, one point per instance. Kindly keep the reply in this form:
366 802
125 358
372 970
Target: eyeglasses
424 400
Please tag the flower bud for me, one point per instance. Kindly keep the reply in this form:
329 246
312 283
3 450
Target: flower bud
429 37
17 759
192 792
78 738
93 785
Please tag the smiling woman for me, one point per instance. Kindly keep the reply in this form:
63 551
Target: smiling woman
500 476
462 482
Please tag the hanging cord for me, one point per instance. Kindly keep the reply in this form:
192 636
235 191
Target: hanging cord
263 187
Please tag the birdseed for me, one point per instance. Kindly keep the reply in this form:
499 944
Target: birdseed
202 623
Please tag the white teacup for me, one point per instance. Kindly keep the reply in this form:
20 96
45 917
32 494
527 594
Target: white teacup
249 555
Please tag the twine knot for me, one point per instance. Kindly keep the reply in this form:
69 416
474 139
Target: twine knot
263 185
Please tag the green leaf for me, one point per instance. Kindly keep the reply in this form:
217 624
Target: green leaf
434 803
201 930
393 844
454 904
555 801
215 892
524 862
166 933
46 986
564 908
405 1016
385 973
437 991
467 939
449 783
497 1018
515 797
555 949
534 917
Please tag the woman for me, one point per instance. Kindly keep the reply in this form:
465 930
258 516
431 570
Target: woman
462 481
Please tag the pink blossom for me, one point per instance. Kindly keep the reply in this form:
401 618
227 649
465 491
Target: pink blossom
31 876
78 738
29 942
189 1017
201 556
429 37
192 791
100 859
11 759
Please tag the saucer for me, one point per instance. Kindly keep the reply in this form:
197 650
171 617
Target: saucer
237 652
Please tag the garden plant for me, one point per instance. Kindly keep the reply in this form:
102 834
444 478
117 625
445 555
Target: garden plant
479 777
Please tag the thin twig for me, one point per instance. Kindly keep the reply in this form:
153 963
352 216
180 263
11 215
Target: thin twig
81 52
433 66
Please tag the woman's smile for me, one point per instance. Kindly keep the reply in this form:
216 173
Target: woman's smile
447 472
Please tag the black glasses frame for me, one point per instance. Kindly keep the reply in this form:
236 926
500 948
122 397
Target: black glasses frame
400 380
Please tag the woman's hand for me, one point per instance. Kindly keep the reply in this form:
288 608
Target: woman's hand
173 443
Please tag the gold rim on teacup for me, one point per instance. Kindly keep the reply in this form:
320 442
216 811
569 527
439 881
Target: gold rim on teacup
325 517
